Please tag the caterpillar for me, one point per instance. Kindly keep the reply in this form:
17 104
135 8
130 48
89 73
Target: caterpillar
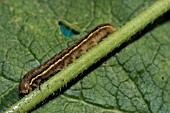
34 77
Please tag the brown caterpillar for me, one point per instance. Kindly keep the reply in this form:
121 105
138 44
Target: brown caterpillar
52 66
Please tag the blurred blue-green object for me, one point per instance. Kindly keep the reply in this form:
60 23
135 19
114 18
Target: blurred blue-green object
66 31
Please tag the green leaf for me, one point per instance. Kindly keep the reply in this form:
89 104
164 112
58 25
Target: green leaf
133 78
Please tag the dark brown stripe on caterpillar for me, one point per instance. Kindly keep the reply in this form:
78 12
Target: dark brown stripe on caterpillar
52 66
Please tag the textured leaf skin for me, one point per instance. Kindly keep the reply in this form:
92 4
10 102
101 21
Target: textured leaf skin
135 78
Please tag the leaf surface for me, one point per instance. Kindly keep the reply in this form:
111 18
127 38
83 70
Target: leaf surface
133 78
